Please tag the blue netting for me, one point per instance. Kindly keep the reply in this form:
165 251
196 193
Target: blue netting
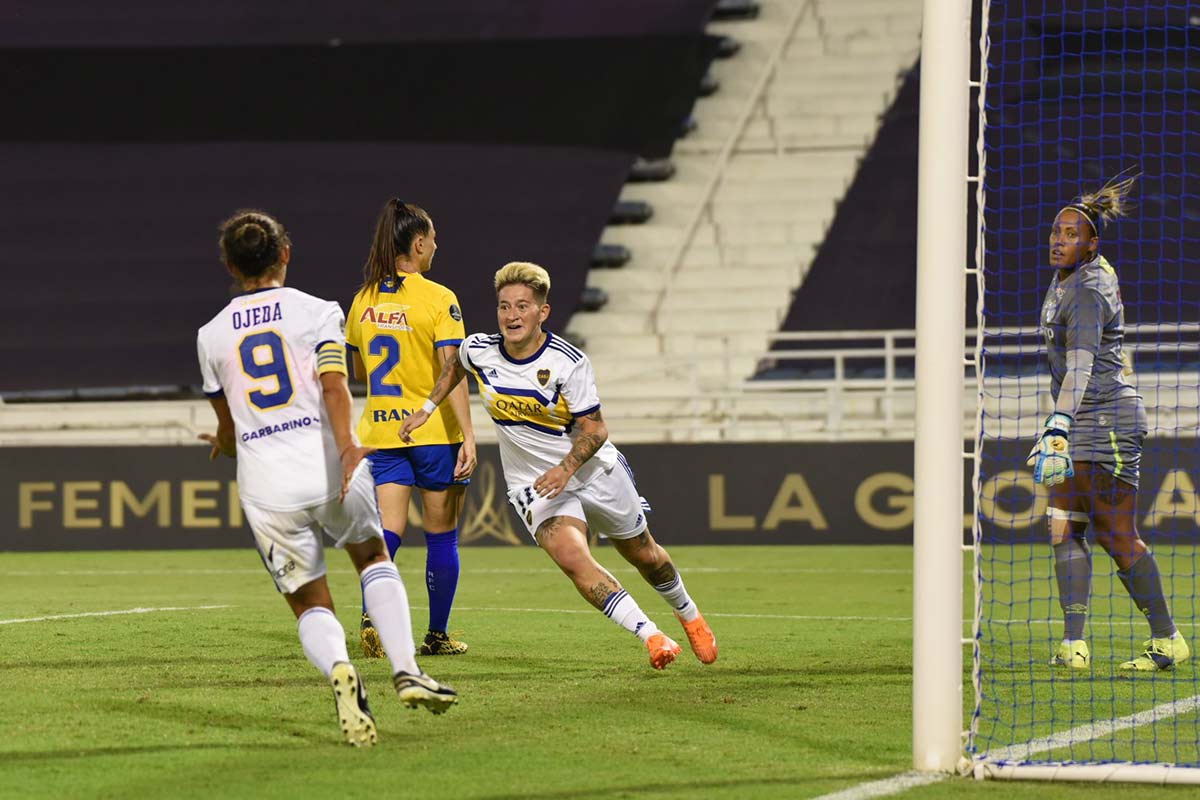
1079 92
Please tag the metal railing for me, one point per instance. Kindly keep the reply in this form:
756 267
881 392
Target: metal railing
848 385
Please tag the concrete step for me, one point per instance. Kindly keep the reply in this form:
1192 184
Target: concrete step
601 323
799 196
834 125
713 299
633 347
674 347
766 31
749 320
866 9
790 106
792 165
883 47
766 275
695 169
654 234
720 297
780 221
799 190
822 68
627 280
872 92
897 28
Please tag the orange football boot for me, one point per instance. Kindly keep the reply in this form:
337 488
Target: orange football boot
701 638
662 650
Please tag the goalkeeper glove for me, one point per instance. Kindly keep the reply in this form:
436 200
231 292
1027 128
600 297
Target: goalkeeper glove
1050 458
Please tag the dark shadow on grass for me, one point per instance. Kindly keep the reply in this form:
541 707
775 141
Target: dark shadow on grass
93 664
173 713
700 788
67 753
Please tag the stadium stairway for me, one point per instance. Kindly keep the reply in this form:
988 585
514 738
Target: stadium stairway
696 315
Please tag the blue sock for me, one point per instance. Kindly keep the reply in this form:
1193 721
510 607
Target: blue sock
392 540
393 543
441 576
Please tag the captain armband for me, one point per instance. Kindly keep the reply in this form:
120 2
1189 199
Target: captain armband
331 357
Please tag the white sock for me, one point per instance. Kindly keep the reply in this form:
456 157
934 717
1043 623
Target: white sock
387 605
323 638
623 610
675 594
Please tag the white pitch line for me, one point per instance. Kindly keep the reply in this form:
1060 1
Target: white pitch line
1027 750
32 573
715 614
886 786
1097 730
110 613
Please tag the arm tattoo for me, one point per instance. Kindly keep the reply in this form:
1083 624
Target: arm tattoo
585 446
452 372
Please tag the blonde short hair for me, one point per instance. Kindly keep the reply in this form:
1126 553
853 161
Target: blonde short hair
527 273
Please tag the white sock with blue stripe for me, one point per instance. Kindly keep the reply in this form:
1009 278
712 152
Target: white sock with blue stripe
624 610
386 602
323 638
674 593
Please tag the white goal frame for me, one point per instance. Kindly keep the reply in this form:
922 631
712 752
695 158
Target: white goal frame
938 452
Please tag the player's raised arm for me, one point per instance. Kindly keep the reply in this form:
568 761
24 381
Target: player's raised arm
452 374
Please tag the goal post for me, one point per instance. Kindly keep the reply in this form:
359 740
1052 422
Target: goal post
938 443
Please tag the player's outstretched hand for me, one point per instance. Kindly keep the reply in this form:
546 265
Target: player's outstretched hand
212 439
411 423
352 456
466 461
552 482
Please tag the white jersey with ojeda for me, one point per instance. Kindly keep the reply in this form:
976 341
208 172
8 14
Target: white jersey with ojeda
260 351
534 402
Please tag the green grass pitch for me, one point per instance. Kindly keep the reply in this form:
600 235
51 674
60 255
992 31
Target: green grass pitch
811 693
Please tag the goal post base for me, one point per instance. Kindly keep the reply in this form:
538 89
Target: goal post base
1157 774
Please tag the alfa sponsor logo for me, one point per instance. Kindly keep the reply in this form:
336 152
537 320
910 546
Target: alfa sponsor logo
386 316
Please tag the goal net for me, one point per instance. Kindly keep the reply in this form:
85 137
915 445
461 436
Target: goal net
1075 94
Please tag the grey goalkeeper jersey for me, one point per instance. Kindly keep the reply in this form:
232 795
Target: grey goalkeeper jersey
1084 312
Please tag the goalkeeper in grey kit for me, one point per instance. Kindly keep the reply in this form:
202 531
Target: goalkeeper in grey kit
1089 452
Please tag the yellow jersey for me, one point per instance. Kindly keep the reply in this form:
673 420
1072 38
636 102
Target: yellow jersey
397 330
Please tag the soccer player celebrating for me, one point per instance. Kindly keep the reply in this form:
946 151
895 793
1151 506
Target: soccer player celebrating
274 368
1090 449
402 327
563 474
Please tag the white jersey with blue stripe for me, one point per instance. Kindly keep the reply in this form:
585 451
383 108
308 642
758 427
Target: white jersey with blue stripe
262 352
534 402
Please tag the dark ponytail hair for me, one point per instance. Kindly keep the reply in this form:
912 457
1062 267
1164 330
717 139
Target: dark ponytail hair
398 224
1106 204
252 242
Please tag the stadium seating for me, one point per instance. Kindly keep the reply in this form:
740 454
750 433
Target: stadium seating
708 318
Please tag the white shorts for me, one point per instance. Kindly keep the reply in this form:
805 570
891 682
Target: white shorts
609 504
290 541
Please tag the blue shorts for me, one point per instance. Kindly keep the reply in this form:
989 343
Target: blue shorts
427 466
